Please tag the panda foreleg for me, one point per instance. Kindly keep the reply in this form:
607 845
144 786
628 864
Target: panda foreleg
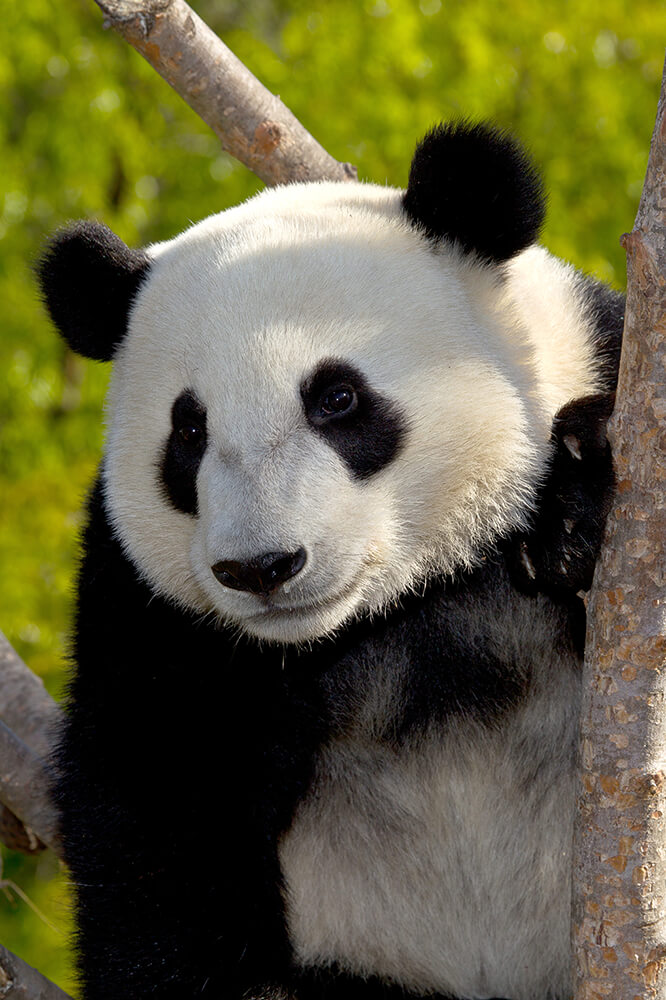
170 806
558 554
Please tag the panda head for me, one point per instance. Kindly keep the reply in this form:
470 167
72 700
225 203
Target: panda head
316 402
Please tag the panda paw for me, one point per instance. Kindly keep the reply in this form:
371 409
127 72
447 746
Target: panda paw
268 993
558 554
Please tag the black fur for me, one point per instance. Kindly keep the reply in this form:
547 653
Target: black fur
474 185
170 719
558 554
368 435
331 984
604 307
89 280
183 452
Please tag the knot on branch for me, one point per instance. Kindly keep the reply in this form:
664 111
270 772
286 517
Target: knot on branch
6 982
126 10
649 785
267 137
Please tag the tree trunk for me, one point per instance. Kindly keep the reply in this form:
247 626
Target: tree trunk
619 890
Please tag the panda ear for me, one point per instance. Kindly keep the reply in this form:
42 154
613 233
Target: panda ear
89 279
474 184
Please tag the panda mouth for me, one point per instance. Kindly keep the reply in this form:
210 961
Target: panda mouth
272 611
276 610
275 617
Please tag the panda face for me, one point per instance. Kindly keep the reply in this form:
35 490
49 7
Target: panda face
313 410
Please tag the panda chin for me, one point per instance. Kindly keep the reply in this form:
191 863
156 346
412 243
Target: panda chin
303 623
295 626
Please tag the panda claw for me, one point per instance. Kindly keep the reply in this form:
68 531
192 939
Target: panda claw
527 562
573 446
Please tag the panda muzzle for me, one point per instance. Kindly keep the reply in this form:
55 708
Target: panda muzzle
262 575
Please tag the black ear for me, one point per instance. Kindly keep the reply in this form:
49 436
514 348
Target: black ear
89 278
474 184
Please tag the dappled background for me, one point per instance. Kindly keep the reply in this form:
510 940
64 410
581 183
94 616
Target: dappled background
87 129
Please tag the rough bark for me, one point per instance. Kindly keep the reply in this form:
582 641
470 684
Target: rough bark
28 710
24 787
25 705
619 925
19 981
253 125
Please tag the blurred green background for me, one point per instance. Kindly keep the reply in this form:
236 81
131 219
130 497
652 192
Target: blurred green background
88 129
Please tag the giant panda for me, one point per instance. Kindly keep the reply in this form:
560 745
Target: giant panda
320 738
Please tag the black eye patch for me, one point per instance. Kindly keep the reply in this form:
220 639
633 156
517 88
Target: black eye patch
183 452
362 426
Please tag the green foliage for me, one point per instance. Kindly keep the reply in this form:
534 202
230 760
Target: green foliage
88 129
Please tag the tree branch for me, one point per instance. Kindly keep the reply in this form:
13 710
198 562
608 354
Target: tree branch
619 933
25 705
25 787
253 125
28 710
19 981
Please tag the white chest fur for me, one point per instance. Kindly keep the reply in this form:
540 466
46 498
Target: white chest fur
444 866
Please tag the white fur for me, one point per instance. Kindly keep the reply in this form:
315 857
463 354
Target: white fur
446 866
241 308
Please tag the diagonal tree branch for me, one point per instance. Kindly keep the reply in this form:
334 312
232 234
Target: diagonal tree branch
25 787
619 933
253 125
19 981
25 704
28 710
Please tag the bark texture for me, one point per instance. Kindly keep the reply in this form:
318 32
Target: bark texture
19 981
25 787
252 124
619 925
28 710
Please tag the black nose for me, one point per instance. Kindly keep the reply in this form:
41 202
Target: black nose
262 575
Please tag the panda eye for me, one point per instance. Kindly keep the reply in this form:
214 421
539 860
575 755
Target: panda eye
191 434
339 400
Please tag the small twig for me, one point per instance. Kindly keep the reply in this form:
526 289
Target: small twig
8 886
252 124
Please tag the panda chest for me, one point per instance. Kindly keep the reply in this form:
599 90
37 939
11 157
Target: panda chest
443 867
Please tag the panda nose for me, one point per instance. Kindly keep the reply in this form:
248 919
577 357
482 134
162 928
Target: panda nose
262 575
